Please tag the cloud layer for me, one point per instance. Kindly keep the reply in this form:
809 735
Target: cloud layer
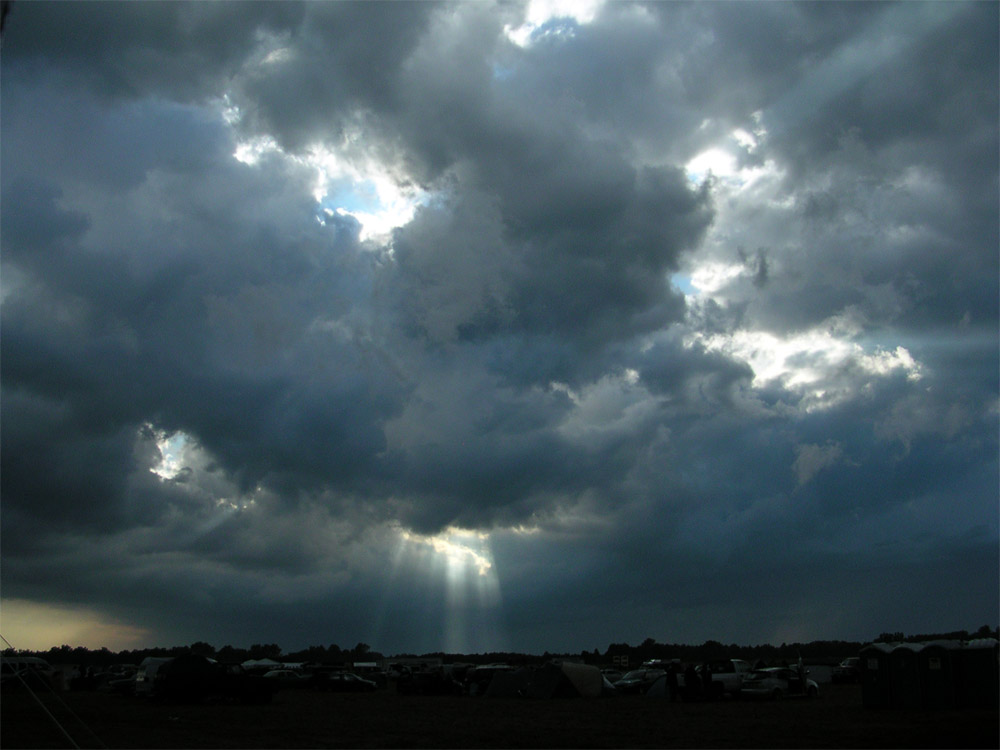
473 327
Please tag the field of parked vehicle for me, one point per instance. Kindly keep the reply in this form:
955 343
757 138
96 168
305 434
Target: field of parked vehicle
387 719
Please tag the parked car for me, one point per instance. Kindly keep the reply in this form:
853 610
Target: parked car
341 682
849 670
638 681
779 682
285 678
18 671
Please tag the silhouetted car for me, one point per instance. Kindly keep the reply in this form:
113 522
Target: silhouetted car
777 683
849 670
638 681
341 682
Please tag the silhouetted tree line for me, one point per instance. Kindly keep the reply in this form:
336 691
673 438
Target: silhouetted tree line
814 651
332 654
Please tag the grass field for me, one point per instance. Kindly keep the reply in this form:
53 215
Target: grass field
305 719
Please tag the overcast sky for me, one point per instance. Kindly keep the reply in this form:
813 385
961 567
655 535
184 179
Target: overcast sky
483 326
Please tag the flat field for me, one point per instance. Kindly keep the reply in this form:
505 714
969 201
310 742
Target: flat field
306 719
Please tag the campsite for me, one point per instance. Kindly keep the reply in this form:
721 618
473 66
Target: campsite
388 719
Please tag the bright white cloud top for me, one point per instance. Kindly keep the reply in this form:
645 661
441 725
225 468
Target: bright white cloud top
445 326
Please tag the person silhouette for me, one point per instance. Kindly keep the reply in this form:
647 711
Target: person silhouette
706 680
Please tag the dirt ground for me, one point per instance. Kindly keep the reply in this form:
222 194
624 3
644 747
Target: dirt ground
306 719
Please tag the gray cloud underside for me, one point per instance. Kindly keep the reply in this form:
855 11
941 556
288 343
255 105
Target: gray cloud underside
515 355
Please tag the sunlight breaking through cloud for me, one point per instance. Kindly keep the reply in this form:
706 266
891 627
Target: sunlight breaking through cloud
540 12
458 547
807 361
458 564
172 448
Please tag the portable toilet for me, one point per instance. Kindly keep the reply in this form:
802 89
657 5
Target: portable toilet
904 676
978 673
936 668
875 675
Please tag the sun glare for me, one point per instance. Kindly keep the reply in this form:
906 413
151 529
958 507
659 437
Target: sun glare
714 161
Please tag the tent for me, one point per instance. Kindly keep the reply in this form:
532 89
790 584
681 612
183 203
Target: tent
566 680
661 688
509 683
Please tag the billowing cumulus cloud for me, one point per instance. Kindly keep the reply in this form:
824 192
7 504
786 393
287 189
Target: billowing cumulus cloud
478 326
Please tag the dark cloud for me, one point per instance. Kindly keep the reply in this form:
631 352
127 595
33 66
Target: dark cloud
182 50
577 383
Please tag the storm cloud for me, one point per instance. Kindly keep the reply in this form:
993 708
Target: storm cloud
477 326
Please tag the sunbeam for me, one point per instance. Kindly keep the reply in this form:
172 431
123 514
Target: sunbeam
455 577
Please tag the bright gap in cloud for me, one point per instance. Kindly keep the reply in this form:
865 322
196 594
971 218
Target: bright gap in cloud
351 185
540 12
460 548
721 161
684 283
807 362
172 448
714 161
218 498
723 166
709 278
369 192
463 559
